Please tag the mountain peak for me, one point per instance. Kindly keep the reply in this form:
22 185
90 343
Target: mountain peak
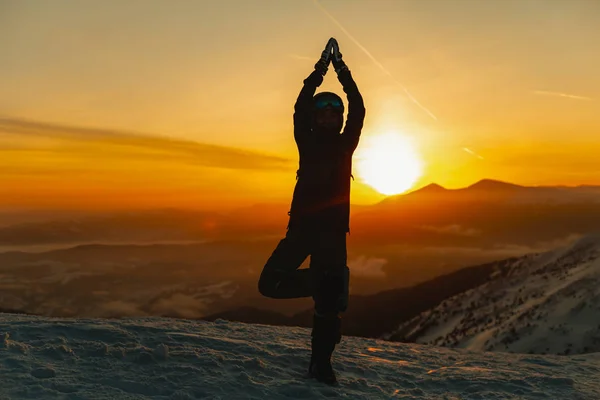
492 184
431 188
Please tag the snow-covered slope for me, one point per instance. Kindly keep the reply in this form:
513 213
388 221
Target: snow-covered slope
175 359
546 303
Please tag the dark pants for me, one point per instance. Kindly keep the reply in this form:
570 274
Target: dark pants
327 278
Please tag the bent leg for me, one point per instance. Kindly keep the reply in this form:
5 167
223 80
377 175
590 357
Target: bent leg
281 278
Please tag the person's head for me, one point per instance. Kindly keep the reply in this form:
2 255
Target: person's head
328 110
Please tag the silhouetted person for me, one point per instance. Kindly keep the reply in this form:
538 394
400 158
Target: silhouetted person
320 209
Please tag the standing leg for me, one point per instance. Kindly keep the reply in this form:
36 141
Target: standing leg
281 278
331 279
330 273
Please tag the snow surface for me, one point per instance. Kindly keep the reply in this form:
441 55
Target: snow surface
162 358
546 303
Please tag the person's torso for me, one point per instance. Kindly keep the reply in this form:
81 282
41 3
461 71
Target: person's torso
322 192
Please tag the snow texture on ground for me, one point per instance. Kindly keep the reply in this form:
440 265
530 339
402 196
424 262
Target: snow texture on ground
544 303
45 358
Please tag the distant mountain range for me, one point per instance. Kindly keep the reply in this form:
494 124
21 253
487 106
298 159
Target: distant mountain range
486 213
493 190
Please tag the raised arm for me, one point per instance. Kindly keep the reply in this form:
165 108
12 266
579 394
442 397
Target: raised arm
356 105
303 106
356 109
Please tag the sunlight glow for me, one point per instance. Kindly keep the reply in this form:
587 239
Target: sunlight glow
389 163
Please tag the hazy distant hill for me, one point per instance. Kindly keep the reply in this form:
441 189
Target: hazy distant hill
197 280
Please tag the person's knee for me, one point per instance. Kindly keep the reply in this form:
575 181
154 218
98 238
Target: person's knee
267 284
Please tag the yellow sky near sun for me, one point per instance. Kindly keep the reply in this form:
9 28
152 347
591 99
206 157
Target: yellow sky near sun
207 88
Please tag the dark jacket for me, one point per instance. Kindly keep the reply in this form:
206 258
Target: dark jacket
321 198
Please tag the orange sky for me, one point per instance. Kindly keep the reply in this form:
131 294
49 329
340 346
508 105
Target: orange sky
190 103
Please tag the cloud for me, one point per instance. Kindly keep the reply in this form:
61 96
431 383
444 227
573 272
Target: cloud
497 251
181 305
117 309
502 250
566 95
452 230
368 266
540 246
81 140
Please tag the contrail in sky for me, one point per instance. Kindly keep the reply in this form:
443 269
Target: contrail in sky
570 96
381 67
471 152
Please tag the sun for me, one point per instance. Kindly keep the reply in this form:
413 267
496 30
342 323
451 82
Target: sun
389 163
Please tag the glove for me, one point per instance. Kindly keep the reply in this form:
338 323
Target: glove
336 59
323 64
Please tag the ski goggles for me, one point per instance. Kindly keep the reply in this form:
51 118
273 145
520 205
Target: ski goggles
328 102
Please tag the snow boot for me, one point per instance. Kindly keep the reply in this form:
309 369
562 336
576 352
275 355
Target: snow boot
326 334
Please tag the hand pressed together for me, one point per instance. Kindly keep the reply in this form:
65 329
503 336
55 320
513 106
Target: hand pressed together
331 54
